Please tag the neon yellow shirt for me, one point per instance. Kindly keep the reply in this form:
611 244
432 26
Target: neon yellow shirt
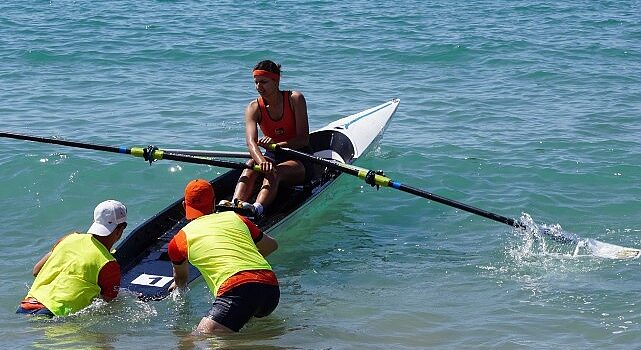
68 281
220 245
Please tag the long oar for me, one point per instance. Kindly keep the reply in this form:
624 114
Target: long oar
150 153
373 178
200 153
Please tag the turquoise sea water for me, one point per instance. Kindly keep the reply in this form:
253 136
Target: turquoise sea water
514 107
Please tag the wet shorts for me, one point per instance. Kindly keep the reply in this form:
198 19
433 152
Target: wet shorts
32 307
234 308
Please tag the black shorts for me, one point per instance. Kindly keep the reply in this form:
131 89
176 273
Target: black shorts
279 157
35 312
234 308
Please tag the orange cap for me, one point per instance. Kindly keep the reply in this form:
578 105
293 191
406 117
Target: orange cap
199 199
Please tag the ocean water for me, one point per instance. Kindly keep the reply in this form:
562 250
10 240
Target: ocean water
522 108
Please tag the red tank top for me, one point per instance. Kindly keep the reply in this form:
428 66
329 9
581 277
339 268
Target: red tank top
282 129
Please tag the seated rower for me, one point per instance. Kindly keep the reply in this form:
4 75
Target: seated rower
282 118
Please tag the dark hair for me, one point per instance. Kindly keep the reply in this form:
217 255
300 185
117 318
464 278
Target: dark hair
268 65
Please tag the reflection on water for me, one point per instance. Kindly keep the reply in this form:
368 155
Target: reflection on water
103 325
98 326
64 334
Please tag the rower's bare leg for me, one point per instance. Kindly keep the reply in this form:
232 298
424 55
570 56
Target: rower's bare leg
291 172
268 190
245 184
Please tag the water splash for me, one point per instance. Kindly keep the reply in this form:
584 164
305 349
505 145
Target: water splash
531 242
534 240
126 309
179 296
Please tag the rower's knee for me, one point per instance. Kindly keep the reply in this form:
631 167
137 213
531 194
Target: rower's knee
247 176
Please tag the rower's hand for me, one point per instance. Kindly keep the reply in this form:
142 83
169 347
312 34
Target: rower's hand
267 166
265 141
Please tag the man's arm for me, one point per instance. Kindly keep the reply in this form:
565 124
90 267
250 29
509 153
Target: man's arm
181 275
38 266
264 242
177 251
109 281
266 245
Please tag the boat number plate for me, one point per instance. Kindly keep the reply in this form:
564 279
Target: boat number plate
152 280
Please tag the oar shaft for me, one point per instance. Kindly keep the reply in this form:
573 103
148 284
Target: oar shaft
65 143
376 179
147 153
206 161
199 153
459 205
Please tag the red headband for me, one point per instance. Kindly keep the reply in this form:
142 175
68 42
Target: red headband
259 72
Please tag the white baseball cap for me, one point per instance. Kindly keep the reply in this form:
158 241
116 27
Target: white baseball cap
107 216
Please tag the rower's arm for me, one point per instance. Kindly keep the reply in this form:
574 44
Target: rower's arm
252 114
299 106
